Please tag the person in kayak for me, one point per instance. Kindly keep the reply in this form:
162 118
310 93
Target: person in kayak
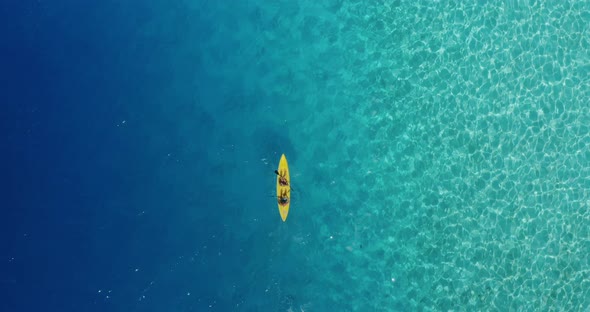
282 180
283 198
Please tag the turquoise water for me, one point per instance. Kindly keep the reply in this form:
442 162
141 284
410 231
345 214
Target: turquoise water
442 147
439 152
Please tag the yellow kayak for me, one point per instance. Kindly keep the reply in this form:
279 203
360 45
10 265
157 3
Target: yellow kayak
283 188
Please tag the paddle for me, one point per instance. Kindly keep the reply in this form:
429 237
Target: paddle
290 188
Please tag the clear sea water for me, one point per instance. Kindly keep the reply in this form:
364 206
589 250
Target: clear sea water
439 152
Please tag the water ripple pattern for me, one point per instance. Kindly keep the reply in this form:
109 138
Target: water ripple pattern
447 156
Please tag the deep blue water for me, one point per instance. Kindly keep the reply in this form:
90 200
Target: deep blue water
99 181
438 152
